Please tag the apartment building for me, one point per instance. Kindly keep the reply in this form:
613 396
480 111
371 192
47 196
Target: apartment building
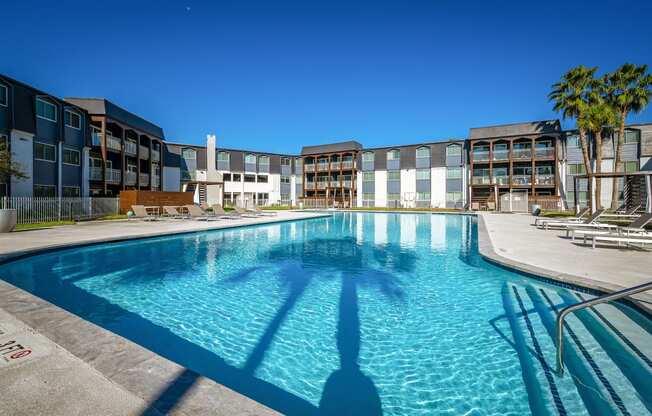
49 139
125 149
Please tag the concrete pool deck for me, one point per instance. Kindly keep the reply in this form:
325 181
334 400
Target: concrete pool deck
54 363
513 241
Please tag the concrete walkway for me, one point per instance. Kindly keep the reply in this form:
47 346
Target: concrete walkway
55 363
512 240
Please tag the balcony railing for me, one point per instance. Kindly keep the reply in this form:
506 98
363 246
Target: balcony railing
322 185
480 155
480 180
546 179
347 164
113 143
309 167
96 174
156 155
130 178
144 178
522 179
501 155
546 152
310 185
347 184
131 147
156 181
113 175
501 180
322 166
335 184
335 165
522 154
144 152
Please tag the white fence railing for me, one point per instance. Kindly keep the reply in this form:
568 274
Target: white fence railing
33 210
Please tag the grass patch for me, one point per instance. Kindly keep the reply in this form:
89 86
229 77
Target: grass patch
112 217
277 208
557 214
39 225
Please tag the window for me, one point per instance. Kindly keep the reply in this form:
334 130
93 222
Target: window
423 174
453 173
4 95
285 161
423 152
263 160
285 179
44 151
631 166
262 179
298 179
368 157
423 196
70 192
368 176
189 154
72 119
236 177
226 177
573 141
3 142
250 159
71 157
632 136
393 197
368 196
46 110
453 196
223 157
250 178
44 191
394 176
454 150
576 169
394 154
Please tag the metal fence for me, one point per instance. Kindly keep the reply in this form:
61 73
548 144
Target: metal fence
33 210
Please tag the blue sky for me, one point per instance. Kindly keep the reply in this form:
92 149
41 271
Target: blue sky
273 76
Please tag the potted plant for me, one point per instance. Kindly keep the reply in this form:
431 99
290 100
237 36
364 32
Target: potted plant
8 169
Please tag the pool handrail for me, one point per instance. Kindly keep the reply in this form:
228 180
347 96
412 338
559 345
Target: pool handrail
585 304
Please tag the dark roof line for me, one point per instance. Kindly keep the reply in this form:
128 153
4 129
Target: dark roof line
40 92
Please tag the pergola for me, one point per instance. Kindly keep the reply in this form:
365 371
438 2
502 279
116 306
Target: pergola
647 175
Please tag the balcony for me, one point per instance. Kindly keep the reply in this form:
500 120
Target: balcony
322 185
480 180
546 179
322 166
156 156
113 176
347 184
309 167
501 155
144 152
113 143
156 181
144 179
501 180
130 178
480 155
96 138
310 185
131 148
522 154
335 184
522 179
347 164
335 165
544 152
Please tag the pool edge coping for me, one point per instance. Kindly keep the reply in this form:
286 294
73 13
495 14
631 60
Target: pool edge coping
488 252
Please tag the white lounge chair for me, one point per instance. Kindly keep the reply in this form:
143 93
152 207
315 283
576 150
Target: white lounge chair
244 213
142 214
173 213
565 224
218 210
262 213
635 229
627 240
578 218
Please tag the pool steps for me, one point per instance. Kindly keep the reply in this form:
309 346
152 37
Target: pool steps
607 354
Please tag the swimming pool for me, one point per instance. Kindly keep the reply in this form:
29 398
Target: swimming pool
354 314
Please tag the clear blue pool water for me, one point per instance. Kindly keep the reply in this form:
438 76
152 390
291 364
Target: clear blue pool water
358 313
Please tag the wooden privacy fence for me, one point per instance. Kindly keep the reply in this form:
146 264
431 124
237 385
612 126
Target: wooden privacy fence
43 209
154 199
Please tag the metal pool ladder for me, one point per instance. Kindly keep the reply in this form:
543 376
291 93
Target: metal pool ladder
588 303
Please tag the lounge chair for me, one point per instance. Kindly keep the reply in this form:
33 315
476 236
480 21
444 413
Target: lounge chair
626 239
142 214
635 229
577 218
491 206
172 212
244 213
475 206
220 213
262 213
565 224
196 213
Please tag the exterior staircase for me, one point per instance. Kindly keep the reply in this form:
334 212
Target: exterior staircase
608 353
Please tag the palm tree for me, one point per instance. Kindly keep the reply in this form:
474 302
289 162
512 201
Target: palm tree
628 91
598 115
571 96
